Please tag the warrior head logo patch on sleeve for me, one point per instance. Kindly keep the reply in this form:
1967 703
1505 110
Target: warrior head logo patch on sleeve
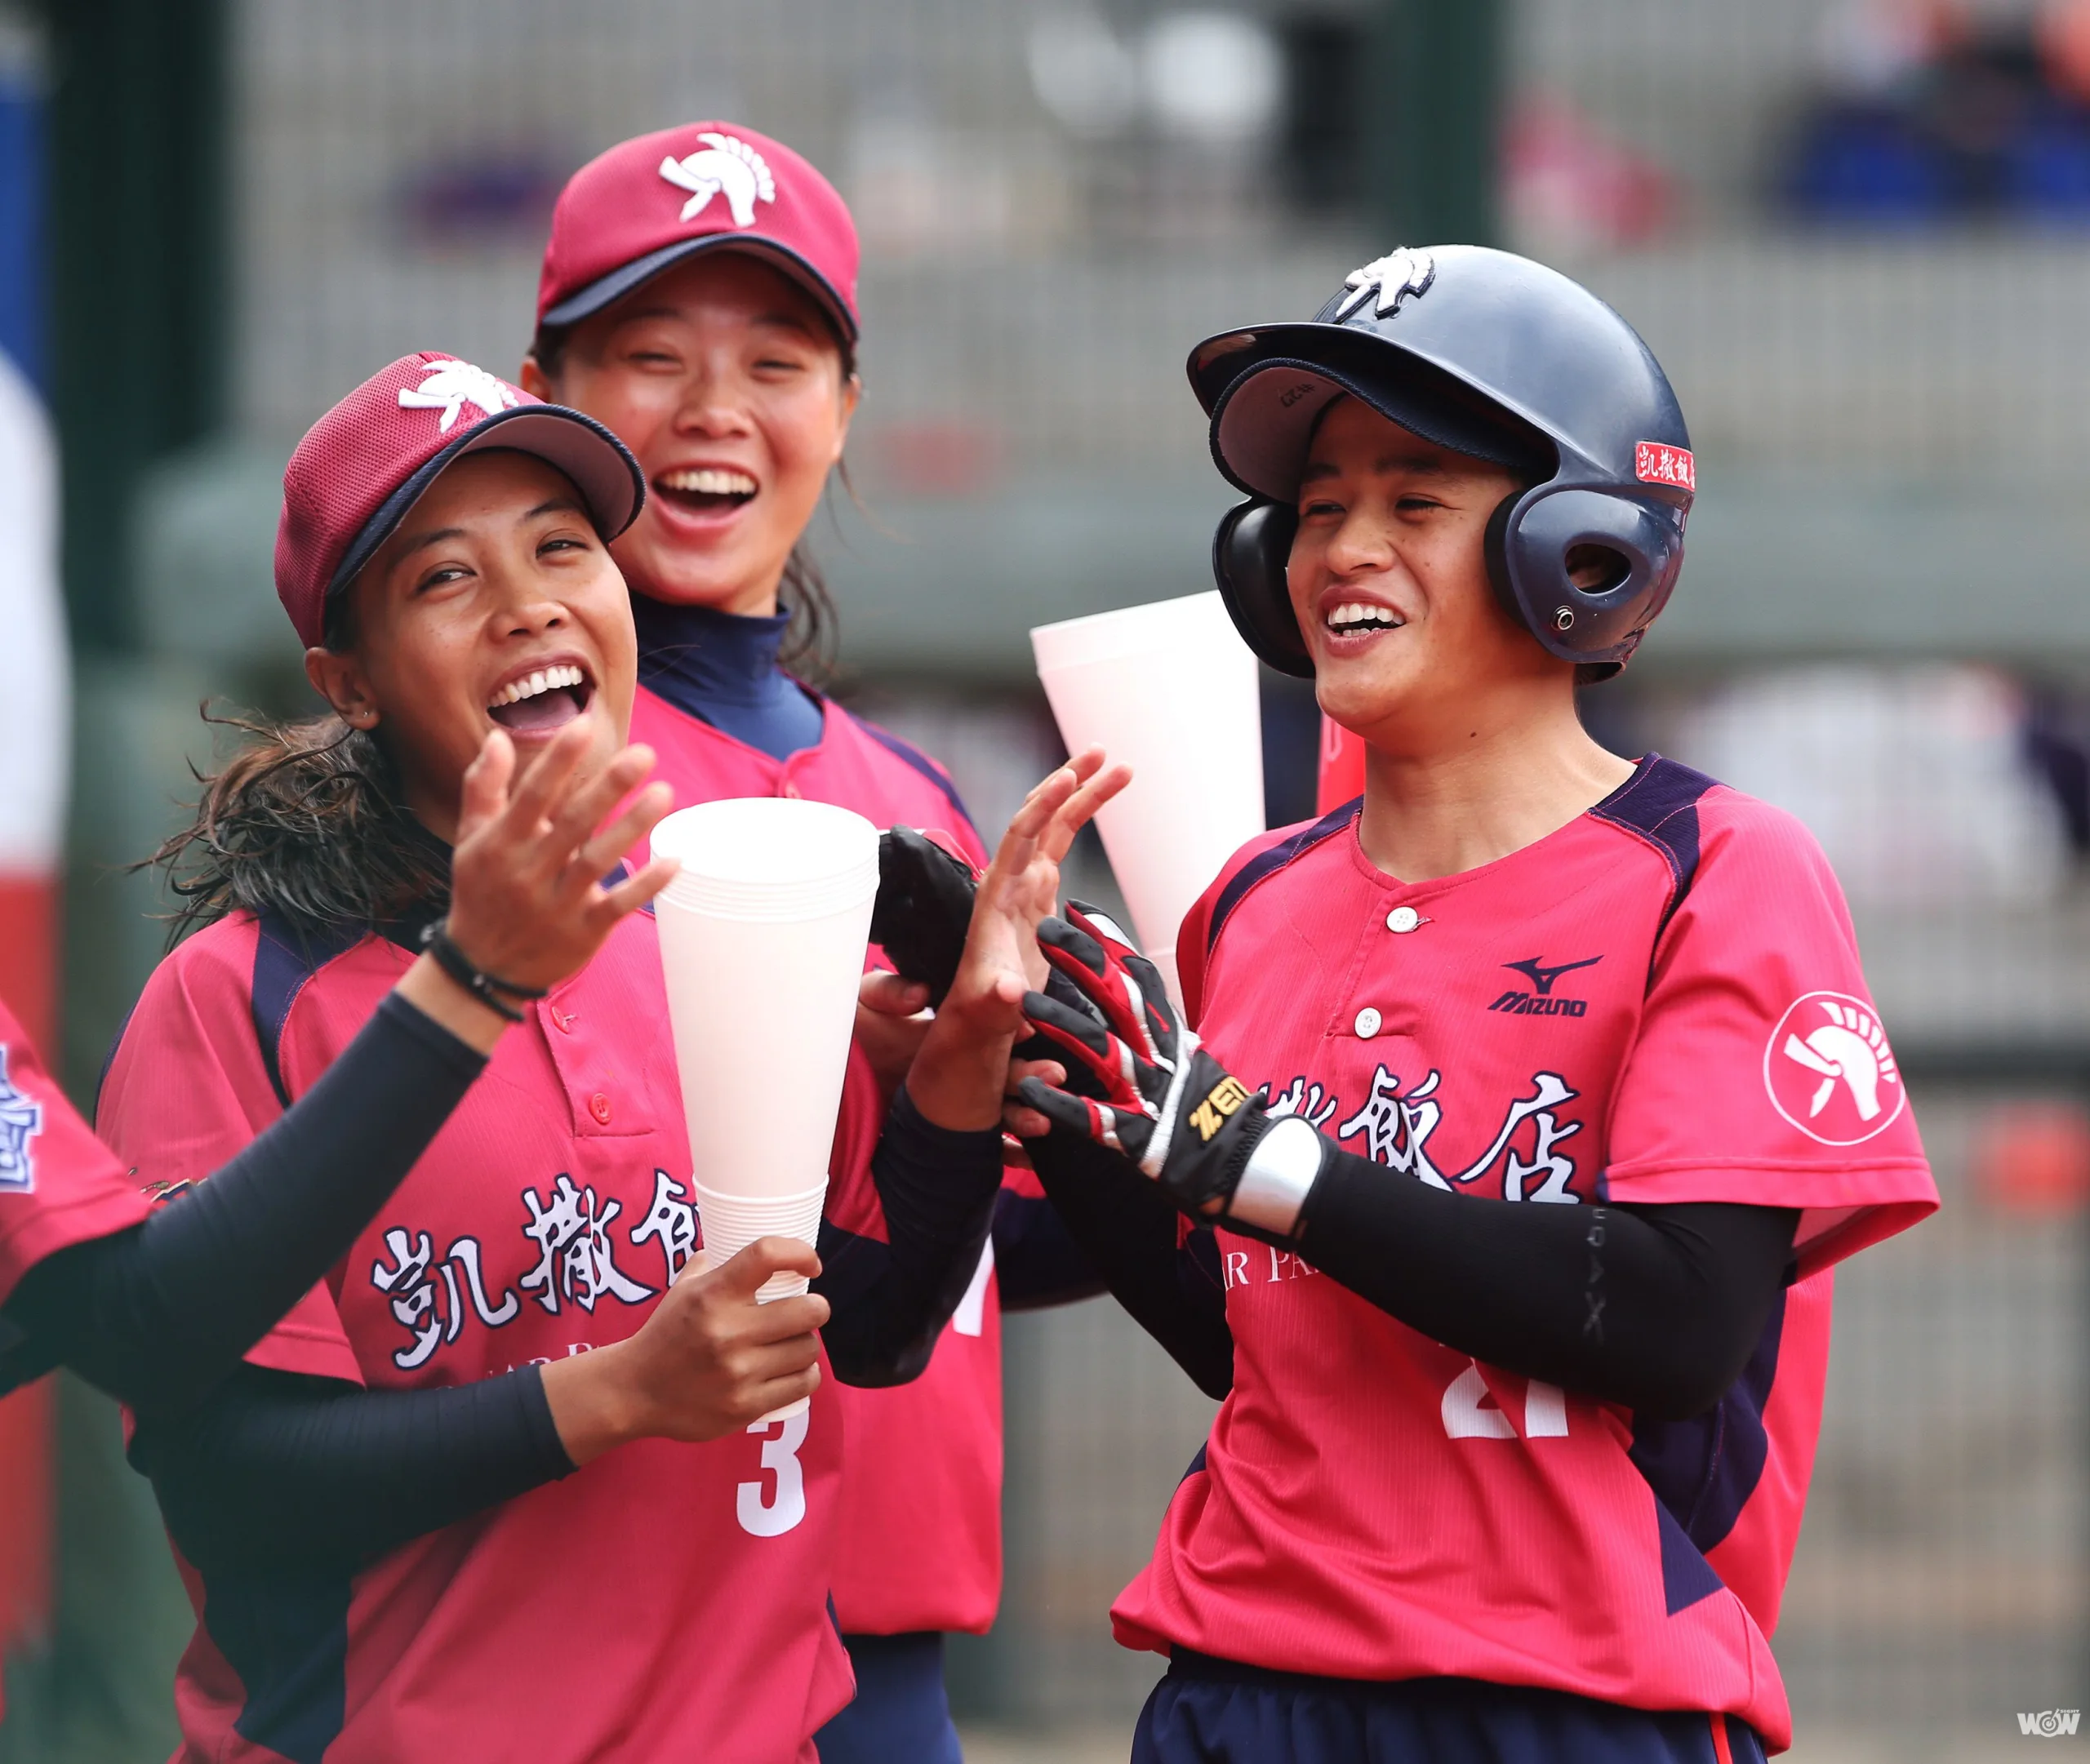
725 165
1402 271
1829 1070
21 1119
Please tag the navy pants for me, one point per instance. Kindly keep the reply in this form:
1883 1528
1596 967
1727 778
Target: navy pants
901 1715
1215 1711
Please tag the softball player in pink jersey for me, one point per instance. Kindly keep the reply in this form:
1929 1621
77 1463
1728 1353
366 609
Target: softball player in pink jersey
1518 1110
502 1433
699 297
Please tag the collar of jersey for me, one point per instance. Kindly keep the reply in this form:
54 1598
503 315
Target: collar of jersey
1353 843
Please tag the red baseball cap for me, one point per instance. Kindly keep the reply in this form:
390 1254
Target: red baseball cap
368 460
629 213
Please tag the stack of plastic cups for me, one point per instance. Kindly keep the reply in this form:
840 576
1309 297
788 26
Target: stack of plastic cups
762 938
1171 689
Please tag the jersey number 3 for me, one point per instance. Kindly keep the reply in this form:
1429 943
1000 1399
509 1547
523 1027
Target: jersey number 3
1470 1414
785 1504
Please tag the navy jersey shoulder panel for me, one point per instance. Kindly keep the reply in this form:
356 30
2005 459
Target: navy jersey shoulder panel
287 1641
108 1058
913 756
285 960
1267 863
1703 1470
1660 804
1687 1577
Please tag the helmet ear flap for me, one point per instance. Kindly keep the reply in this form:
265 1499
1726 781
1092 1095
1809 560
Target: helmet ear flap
1249 554
1495 546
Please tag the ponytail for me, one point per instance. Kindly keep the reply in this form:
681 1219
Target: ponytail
305 822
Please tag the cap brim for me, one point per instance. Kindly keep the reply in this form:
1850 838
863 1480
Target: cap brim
601 467
621 281
1263 422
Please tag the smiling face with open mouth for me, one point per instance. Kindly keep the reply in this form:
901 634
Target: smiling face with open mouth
1388 573
723 377
494 604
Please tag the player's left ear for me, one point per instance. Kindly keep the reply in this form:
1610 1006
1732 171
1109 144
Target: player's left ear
339 679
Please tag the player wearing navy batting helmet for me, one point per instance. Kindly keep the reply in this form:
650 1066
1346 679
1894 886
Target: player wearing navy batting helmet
1515 1111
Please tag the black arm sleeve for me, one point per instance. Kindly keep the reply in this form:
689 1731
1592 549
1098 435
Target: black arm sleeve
1129 1230
1658 1308
157 1314
276 1472
1036 1262
891 1300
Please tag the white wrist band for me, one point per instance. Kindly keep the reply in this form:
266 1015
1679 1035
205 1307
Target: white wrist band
1281 1169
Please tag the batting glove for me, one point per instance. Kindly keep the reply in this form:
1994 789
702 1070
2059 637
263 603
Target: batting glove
921 918
923 910
1160 1098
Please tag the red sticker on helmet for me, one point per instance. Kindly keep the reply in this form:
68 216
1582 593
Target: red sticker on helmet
1655 462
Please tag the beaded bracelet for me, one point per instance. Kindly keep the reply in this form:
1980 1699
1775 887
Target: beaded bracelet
483 986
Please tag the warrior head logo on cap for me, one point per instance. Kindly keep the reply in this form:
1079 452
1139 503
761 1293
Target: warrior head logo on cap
725 163
21 1119
450 386
1829 1071
1403 271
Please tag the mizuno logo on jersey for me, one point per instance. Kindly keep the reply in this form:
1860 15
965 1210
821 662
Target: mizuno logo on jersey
1542 1002
1224 1100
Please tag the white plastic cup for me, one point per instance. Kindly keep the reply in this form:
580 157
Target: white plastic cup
762 938
731 1222
1170 689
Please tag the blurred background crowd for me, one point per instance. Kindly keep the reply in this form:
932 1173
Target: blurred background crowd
1856 233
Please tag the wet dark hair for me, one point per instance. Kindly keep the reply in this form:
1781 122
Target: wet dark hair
304 823
808 649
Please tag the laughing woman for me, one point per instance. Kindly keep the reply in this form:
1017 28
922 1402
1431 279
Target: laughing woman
699 297
503 1435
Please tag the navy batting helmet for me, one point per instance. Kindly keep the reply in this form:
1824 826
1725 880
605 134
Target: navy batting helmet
1488 354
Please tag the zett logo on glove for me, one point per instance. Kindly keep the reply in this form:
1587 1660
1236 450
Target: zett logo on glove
1225 1098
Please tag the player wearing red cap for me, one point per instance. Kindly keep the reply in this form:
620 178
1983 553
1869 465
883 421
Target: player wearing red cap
1530 1098
699 296
503 1434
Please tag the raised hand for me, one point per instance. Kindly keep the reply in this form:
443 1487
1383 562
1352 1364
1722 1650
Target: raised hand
958 1078
527 903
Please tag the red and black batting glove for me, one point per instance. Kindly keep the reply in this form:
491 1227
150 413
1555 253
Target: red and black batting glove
1160 1099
